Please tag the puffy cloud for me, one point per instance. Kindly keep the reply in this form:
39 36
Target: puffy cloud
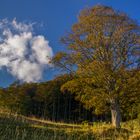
23 54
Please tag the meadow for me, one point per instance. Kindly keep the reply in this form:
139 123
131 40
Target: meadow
18 127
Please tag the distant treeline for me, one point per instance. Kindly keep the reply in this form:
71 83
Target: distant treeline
46 100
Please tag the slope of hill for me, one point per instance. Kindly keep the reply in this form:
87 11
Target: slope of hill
16 127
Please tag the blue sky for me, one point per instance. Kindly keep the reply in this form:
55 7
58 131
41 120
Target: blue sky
56 16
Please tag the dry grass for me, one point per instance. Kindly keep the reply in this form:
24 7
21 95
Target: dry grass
17 127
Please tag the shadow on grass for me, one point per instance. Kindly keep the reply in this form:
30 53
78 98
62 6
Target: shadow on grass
19 129
30 133
114 134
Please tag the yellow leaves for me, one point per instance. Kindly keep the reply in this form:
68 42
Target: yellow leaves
59 56
72 86
100 47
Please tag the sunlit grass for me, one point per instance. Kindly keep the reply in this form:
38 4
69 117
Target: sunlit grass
18 127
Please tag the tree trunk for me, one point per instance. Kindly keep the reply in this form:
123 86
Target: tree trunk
115 113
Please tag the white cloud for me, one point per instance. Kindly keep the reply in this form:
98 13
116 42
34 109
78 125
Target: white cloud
23 54
22 27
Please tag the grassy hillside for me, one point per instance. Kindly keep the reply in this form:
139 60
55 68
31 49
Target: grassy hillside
16 127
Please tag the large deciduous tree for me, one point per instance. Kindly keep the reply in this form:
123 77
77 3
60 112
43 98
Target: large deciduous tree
103 55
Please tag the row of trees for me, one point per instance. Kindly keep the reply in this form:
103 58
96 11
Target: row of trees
44 100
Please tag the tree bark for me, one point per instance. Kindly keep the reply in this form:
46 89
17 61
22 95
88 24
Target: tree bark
115 113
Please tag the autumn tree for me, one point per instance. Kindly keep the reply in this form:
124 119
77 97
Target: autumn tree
103 56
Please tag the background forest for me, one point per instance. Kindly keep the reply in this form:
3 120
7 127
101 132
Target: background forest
46 100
